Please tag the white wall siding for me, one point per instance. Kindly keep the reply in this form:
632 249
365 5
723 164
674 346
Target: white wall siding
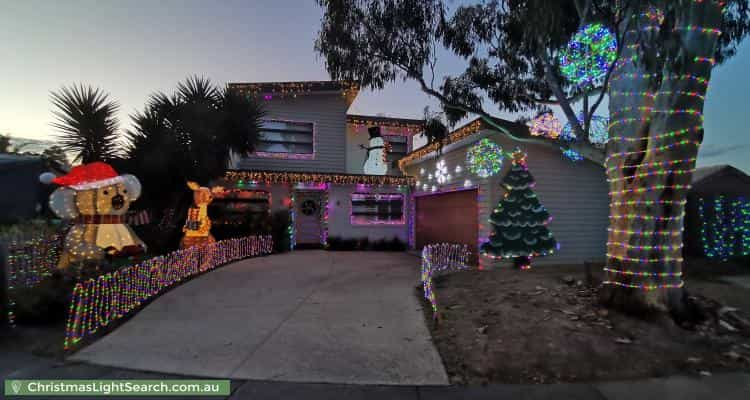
328 112
574 193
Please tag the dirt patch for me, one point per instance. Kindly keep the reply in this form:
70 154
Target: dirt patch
544 326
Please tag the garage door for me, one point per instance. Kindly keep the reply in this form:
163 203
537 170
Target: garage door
449 217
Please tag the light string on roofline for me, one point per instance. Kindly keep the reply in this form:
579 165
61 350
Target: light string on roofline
624 277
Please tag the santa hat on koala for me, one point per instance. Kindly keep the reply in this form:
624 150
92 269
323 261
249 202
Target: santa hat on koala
84 177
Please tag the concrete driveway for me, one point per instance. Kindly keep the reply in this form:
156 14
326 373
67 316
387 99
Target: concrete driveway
305 316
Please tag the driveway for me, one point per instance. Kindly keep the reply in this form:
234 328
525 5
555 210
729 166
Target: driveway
305 316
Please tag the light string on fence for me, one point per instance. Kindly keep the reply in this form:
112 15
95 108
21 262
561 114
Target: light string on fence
97 302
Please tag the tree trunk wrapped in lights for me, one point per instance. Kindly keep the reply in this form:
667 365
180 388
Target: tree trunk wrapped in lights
519 221
656 104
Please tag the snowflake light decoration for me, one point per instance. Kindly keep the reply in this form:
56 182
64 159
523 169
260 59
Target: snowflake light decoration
589 54
598 130
546 125
441 172
485 158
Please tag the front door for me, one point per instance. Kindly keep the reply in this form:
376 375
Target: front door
307 217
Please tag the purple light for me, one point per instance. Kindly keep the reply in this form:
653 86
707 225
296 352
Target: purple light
267 97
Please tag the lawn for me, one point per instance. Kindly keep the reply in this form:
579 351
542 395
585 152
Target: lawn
545 326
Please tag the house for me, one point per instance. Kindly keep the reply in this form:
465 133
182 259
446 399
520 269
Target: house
24 197
311 158
717 213
456 207
310 161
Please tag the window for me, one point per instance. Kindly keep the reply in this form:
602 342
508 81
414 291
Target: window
398 149
286 139
240 207
377 208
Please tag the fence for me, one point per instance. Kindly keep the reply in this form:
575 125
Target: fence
30 258
99 301
441 258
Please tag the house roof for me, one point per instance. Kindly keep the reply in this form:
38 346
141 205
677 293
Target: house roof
297 88
411 125
469 129
516 129
713 173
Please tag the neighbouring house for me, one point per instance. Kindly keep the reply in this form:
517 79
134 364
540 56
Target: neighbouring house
310 161
24 197
456 208
717 213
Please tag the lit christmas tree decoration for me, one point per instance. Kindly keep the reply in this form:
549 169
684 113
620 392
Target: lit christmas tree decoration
588 55
546 125
519 222
485 158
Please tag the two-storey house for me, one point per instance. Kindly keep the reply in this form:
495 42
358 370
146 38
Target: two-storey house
310 159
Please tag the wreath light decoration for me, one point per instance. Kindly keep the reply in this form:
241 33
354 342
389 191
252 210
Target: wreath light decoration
485 158
588 55
546 125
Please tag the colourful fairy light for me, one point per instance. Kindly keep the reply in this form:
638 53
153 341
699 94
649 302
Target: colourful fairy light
725 227
441 258
588 55
598 130
485 158
99 301
571 155
546 125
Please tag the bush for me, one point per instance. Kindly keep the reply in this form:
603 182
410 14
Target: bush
45 303
280 231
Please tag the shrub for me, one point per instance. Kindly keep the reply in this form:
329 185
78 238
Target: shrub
46 302
280 230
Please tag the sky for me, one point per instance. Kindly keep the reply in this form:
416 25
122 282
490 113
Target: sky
134 48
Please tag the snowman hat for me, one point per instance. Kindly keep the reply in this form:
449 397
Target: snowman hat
374 131
88 176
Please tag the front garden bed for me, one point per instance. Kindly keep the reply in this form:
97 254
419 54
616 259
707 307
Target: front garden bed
544 326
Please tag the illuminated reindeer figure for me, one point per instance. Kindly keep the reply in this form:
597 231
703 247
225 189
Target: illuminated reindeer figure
198 226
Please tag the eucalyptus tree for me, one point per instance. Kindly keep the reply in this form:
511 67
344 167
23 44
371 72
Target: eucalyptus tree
513 51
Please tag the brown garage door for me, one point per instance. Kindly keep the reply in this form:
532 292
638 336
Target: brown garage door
449 217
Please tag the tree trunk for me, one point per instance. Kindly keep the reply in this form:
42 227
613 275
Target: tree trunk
656 127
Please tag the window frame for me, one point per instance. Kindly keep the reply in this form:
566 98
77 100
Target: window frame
400 222
292 156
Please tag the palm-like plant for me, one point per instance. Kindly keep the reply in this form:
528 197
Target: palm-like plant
189 135
87 123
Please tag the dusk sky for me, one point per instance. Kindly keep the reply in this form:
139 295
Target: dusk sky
134 48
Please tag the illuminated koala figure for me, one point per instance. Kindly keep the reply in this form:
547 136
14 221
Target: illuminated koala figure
96 199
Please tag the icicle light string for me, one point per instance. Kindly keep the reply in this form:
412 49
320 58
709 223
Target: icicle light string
438 258
97 302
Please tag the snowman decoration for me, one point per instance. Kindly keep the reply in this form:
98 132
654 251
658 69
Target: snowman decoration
375 163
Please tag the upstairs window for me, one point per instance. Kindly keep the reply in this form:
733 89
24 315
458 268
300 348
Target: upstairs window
399 146
286 139
377 208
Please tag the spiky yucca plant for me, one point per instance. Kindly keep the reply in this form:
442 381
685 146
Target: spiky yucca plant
86 120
